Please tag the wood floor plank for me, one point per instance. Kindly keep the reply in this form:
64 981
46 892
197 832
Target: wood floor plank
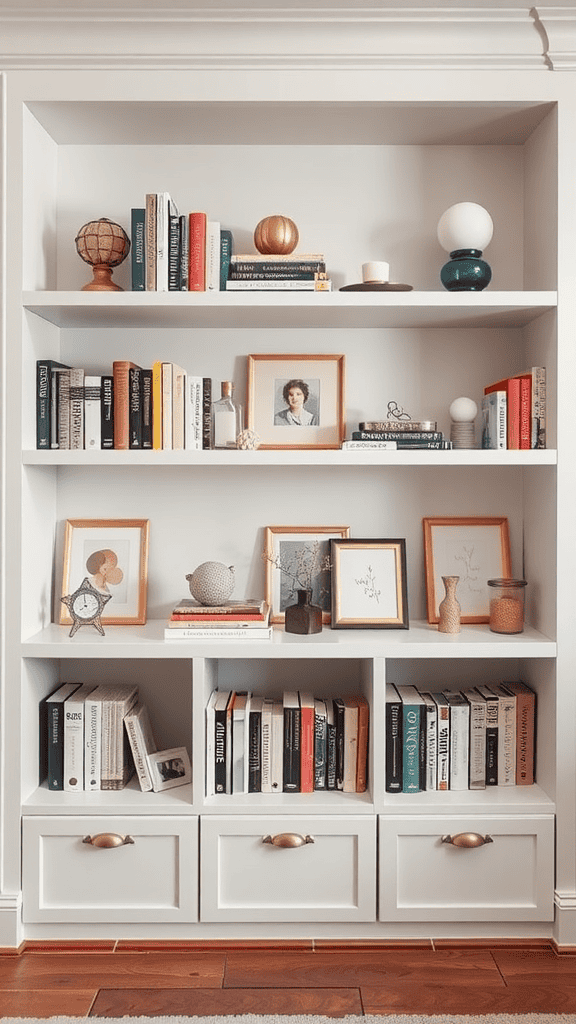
204 1002
355 968
518 965
438 998
42 1004
103 970
160 945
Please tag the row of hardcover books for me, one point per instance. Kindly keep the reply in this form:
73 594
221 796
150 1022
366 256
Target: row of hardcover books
470 739
171 251
235 620
96 737
132 407
397 434
294 744
514 411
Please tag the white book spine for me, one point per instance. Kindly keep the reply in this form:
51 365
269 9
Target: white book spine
279 285
431 746
92 413
266 748
167 405
162 241
459 747
477 769
277 743
193 413
74 739
239 775
139 735
92 730
249 633
213 256
210 753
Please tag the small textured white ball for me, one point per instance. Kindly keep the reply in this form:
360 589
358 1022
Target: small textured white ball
465 226
463 410
211 583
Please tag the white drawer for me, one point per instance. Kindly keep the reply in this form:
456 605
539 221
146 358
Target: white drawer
244 878
153 878
423 878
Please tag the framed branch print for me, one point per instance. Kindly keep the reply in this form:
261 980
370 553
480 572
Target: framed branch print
296 401
298 558
369 585
113 554
474 548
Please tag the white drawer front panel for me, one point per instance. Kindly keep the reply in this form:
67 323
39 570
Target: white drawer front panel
424 879
330 879
152 879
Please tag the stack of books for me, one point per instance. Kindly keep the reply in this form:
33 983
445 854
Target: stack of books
296 272
514 411
235 620
396 434
177 252
458 740
294 743
83 742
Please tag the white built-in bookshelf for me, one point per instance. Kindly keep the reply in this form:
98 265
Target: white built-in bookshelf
364 177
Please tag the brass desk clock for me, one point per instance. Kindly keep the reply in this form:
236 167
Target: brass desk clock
85 606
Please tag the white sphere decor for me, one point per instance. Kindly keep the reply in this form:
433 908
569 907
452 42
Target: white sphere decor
465 226
463 410
212 583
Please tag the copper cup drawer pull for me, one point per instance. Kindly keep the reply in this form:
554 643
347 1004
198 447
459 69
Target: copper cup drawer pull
288 839
467 840
108 840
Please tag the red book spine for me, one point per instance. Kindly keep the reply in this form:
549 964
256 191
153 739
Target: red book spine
197 249
525 411
217 618
513 413
307 748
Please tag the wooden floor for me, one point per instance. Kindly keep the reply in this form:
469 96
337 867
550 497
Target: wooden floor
111 979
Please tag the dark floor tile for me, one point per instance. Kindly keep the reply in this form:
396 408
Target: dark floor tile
331 969
439 998
205 1002
103 970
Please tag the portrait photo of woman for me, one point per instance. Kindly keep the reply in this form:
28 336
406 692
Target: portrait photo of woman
296 394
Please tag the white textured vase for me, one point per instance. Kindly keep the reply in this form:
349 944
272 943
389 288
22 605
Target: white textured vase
212 583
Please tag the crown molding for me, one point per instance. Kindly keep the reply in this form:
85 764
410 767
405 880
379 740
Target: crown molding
373 36
559 24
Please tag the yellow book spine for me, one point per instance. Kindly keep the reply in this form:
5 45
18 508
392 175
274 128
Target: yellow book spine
157 406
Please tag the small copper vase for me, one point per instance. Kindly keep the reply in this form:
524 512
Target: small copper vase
303 617
449 607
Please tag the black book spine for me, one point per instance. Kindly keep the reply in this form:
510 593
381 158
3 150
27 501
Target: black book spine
422 748
255 752
320 750
135 407
206 411
291 782
46 379
56 745
220 751
174 254
146 405
491 755
330 756
107 411
394 746
339 724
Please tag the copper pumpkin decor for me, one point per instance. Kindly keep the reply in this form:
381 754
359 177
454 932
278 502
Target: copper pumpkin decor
102 244
276 236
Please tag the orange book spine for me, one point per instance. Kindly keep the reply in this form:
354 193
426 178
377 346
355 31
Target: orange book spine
513 413
120 371
525 411
363 729
197 250
157 406
306 744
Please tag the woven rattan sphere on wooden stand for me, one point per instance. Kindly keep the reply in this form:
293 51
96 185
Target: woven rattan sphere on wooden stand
102 244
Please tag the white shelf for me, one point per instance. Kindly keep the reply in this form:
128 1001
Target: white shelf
432 309
291 457
422 640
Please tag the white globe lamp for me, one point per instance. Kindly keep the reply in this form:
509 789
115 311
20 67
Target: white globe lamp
464 230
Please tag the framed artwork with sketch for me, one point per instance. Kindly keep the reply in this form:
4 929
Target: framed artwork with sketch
296 401
369 584
113 554
474 548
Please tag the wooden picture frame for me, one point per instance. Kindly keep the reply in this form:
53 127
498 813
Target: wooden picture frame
292 545
369 584
475 548
113 554
320 381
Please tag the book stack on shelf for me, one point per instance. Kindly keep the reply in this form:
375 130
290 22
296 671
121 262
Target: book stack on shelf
396 434
458 740
162 407
294 743
294 272
177 252
235 620
514 411
83 743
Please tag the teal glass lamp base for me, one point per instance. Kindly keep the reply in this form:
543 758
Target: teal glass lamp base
465 271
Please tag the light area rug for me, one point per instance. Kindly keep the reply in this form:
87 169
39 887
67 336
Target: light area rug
254 1018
